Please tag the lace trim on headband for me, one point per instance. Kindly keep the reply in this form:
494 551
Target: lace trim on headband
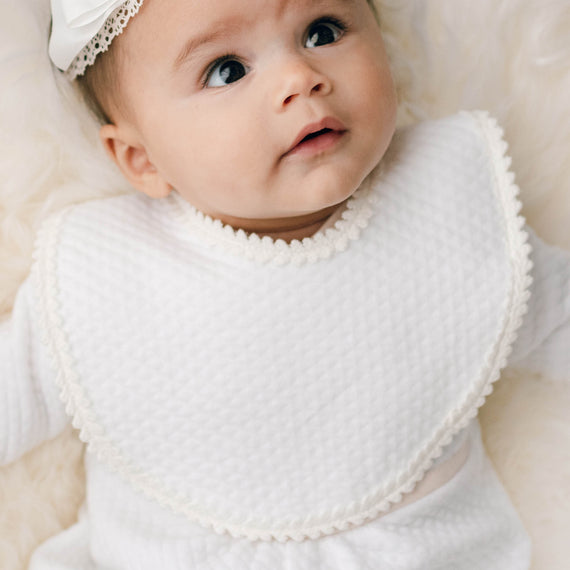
113 27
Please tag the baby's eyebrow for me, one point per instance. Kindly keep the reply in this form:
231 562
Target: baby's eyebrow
223 30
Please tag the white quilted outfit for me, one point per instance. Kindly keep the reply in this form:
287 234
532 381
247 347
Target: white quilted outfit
252 404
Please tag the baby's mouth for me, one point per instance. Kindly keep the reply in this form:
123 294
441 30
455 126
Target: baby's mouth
316 134
317 137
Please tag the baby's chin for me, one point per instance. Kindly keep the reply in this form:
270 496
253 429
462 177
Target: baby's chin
336 188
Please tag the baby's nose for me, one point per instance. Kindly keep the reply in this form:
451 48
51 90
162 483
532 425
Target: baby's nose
299 79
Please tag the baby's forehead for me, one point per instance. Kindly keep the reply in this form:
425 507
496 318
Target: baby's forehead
246 10
209 16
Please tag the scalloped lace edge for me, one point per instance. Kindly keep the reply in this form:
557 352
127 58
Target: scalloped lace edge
341 517
113 27
354 218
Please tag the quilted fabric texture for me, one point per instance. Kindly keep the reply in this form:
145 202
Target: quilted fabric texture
290 400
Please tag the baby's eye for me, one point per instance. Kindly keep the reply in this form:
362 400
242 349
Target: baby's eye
323 32
224 72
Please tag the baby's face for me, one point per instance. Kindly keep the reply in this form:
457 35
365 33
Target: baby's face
224 93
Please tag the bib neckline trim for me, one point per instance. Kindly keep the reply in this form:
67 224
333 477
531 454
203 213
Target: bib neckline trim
354 218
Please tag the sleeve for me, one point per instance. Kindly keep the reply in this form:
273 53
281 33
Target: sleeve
30 408
543 342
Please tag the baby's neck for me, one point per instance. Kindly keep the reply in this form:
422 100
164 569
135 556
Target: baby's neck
287 229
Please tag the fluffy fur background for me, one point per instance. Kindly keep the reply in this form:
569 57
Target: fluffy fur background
510 57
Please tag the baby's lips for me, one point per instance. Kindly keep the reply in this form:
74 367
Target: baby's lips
330 123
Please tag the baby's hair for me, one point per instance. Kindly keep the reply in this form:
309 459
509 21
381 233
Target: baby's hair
372 4
99 85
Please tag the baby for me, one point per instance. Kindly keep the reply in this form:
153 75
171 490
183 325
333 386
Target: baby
276 350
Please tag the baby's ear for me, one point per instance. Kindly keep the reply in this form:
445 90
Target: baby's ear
125 150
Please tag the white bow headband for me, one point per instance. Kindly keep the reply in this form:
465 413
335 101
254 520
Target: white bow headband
82 29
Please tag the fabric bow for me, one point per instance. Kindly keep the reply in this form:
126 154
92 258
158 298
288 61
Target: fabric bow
78 13
74 24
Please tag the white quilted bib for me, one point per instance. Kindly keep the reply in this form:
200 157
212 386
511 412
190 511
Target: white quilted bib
279 391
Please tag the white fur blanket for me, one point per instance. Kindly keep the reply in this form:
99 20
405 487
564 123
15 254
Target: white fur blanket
510 57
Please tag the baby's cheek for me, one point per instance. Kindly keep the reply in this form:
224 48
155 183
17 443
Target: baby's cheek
381 118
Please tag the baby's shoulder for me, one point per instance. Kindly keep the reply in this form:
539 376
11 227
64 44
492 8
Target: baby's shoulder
114 215
458 157
110 227
109 209
465 136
